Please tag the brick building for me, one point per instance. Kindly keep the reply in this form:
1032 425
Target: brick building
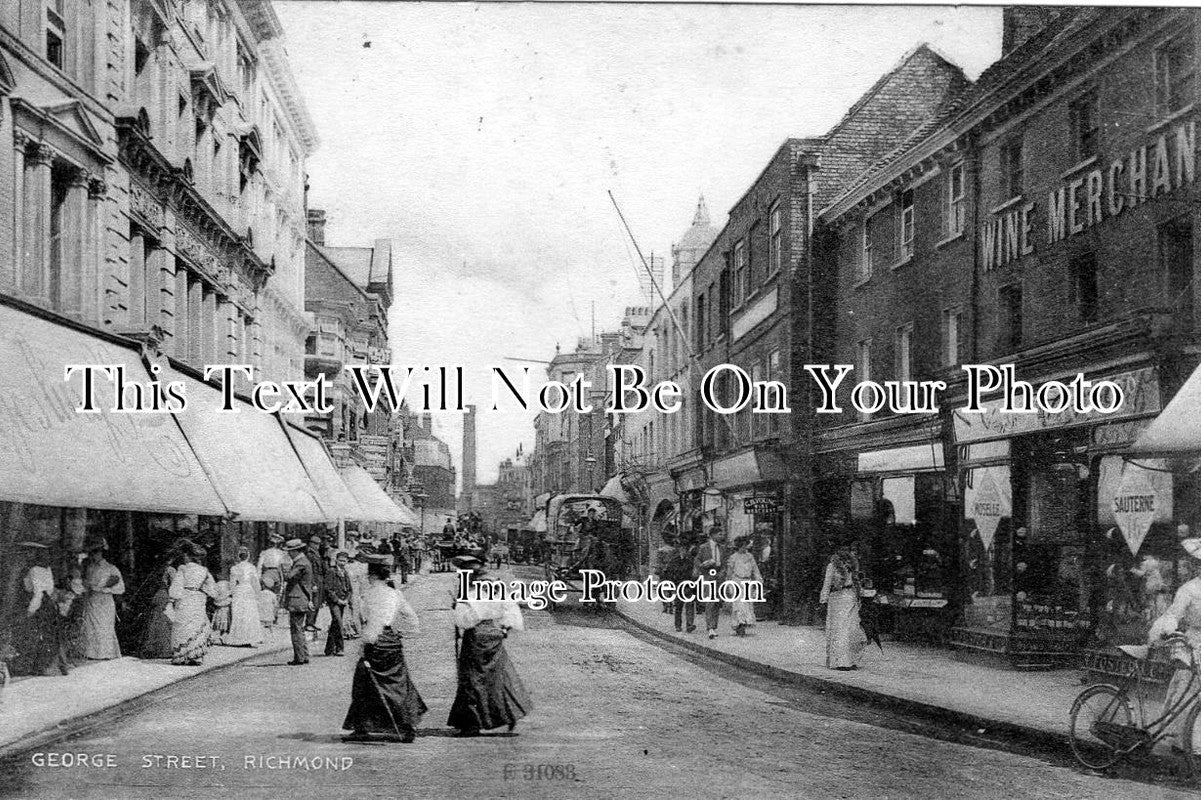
1044 220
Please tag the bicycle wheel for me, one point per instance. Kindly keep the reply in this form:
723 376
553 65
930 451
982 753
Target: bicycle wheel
1192 741
1099 717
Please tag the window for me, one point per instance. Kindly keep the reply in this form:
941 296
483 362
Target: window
1083 285
141 57
1085 130
776 244
716 324
863 365
1010 312
904 352
56 32
1011 168
1174 75
956 206
773 374
700 322
723 301
952 336
741 288
1176 262
59 181
866 255
907 224
758 421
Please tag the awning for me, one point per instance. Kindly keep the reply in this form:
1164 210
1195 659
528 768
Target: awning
335 499
914 458
537 522
375 504
248 457
615 490
1177 429
52 455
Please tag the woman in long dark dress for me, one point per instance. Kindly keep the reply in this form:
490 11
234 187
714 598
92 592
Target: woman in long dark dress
490 693
384 703
37 634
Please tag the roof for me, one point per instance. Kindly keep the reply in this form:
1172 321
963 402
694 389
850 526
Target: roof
369 268
702 232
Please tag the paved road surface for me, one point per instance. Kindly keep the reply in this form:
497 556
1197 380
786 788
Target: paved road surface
622 716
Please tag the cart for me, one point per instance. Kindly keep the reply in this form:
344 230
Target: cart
567 519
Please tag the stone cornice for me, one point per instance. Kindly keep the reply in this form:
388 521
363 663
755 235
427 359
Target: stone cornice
279 71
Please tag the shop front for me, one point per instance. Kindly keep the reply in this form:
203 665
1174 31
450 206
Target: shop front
1035 543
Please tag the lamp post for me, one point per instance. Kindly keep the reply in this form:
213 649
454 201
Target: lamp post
419 497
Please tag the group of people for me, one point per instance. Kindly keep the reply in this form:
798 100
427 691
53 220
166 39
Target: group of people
714 562
386 705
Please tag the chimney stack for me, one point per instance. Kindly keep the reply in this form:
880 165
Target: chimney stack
316 223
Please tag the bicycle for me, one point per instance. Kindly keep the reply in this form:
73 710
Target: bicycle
1102 723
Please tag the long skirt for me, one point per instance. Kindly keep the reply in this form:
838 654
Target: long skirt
383 698
245 628
743 613
350 617
156 639
268 606
190 632
844 636
1179 688
490 693
100 626
38 641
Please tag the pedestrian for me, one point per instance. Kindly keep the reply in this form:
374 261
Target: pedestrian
707 567
298 599
742 567
679 569
156 635
71 601
337 595
448 530
37 632
190 590
840 594
273 568
319 567
102 582
490 694
383 699
1184 615
245 627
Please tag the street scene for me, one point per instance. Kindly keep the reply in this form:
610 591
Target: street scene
598 400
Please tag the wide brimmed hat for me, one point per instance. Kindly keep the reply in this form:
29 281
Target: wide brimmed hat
314 539
275 537
341 554
1192 547
294 544
96 543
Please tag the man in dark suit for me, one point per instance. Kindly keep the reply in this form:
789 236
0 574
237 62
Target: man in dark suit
337 596
319 567
298 599
707 565
679 569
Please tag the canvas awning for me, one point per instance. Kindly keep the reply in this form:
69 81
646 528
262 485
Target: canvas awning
1177 429
248 457
538 522
52 455
375 504
333 495
614 489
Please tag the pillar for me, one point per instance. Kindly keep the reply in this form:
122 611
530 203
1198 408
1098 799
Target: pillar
137 280
227 332
158 275
91 286
208 327
195 329
179 347
35 267
73 247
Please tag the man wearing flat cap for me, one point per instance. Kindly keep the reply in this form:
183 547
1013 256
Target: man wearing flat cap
298 599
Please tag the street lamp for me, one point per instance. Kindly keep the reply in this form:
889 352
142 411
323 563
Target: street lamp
419 497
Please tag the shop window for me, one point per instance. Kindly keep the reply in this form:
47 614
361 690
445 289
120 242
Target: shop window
952 336
987 547
956 202
1009 329
774 373
1012 174
1174 75
907 225
1085 130
56 32
1176 262
1083 286
776 245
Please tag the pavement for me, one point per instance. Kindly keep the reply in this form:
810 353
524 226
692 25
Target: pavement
928 680
614 715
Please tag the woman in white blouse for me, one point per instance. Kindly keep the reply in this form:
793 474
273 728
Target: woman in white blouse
36 636
384 703
490 693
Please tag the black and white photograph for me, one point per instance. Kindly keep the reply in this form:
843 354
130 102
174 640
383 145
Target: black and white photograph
593 399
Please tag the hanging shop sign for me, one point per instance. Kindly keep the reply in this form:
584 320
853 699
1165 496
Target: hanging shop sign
761 504
987 499
1133 495
1140 390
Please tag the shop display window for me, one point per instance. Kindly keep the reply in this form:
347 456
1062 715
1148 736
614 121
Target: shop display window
986 548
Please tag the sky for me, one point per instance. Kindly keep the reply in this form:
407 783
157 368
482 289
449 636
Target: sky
483 139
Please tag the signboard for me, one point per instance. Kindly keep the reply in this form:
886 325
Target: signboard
987 499
1132 495
762 504
1140 388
